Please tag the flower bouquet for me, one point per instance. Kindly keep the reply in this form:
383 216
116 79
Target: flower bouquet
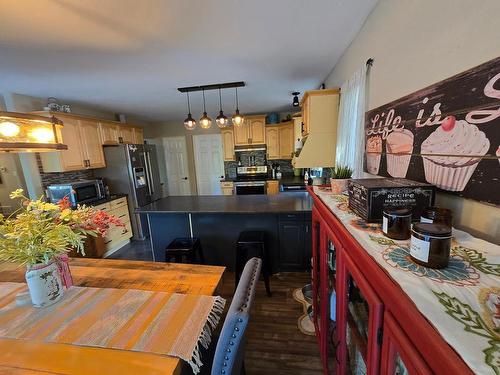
40 234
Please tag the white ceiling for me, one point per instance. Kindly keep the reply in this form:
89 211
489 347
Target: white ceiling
119 56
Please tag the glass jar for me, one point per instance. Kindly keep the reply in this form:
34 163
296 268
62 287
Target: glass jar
430 244
396 223
436 215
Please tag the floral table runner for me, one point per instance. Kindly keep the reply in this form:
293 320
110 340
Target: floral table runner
127 319
462 301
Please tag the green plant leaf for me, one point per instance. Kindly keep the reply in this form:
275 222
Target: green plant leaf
382 240
492 355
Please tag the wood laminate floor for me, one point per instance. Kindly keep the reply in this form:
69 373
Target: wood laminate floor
274 343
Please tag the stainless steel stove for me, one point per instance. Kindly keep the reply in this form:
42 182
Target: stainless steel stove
251 180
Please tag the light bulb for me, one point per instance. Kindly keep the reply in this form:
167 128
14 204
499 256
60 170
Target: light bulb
9 129
222 120
190 122
237 119
42 135
205 121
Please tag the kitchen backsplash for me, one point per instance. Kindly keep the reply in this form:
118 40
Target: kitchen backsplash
230 166
62 177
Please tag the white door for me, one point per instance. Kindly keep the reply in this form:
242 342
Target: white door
209 163
177 166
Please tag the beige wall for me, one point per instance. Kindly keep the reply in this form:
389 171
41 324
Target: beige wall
416 43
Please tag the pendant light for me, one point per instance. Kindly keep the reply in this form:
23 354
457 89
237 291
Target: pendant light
237 118
189 122
205 121
295 102
222 120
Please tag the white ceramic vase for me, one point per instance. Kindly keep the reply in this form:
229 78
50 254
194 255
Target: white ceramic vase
44 284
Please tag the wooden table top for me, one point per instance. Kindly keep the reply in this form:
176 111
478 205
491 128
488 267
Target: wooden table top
32 357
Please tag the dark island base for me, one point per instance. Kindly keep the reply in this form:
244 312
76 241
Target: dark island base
288 236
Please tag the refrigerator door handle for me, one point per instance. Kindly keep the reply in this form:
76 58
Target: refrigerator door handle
148 173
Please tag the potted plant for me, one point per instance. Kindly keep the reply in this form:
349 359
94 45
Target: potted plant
339 177
39 235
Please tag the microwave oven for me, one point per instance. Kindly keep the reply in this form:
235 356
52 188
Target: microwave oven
79 192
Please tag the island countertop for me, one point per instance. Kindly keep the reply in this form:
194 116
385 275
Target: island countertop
258 204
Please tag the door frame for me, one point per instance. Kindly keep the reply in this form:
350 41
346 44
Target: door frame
197 137
169 181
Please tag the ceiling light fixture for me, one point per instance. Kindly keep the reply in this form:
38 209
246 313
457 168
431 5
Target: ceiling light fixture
22 132
221 120
189 122
295 102
237 118
205 121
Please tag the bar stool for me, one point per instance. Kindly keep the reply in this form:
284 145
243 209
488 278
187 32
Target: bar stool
184 250
252 244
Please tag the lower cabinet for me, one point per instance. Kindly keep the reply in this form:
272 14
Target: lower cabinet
295 241
227 187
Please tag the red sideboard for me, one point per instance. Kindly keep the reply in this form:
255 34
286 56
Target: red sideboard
377 327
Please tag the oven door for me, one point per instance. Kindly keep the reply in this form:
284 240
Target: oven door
250 188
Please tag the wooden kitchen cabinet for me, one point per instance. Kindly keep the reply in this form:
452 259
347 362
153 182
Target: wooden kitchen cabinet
272 187
91 141
126 134
286 142
272 142
280 141
251 132
319 106
138 135
110 131
227 187
83 138
228 144
295 240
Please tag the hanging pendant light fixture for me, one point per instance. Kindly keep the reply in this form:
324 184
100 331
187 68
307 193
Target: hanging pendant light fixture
295 102
222 120
205 121
189 122
237 118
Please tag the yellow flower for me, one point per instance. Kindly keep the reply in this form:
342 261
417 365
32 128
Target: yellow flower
49 207
17 194
66 213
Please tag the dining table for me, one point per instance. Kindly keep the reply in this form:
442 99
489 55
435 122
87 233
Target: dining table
26 356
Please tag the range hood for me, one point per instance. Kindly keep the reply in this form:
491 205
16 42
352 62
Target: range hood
318 151
22 132
250 148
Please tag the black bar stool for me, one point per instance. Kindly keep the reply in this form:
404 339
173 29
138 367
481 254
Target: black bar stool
184 250
252 244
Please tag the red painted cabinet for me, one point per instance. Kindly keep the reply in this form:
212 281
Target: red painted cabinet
399 355
376 328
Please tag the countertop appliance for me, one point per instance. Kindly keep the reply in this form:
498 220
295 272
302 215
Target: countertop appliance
251 180
79 192
133 170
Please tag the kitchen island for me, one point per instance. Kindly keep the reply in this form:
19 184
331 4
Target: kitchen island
218 221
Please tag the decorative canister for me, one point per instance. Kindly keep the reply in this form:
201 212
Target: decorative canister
396 223
430 244
44 284
436 215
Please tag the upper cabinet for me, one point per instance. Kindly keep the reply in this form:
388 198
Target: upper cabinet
228 144
138 135
251 132
280 141
110 132
318 107
126 134
83 138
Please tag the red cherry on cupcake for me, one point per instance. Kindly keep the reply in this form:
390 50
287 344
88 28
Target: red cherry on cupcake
448 123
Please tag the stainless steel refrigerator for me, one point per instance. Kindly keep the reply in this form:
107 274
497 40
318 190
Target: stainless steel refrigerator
133 170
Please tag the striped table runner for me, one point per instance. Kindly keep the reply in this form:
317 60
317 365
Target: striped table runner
126 319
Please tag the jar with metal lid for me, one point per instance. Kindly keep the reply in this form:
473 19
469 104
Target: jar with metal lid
430 244
396 223
436 215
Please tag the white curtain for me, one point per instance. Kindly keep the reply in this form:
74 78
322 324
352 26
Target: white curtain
350 132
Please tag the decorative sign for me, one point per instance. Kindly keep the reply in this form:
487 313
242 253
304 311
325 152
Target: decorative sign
447 134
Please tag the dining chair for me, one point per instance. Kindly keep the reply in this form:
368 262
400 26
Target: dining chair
229 353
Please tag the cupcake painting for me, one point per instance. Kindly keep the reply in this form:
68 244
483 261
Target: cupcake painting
399 147
447 169
373 154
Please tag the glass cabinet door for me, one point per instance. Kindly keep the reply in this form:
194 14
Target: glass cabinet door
399 356
360 321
